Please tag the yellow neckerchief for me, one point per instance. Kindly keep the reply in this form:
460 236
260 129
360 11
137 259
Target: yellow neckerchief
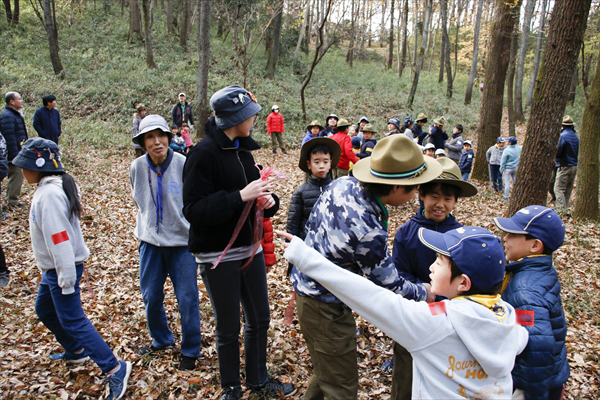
489 301
508 275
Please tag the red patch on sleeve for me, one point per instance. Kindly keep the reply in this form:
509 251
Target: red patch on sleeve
438 308
60 237
525 317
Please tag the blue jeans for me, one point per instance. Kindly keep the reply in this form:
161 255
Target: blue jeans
465 176
496 177
177 262
227 286
63 315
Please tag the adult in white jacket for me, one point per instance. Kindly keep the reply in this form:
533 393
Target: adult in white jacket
462 347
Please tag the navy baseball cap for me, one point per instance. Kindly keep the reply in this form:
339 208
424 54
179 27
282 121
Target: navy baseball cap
394 121
476 251
500 139
512 140
233 105
541 222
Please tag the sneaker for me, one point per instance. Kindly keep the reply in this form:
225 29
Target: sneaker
274 387
231 393
4 278
70 358
187 363
117 381
151 349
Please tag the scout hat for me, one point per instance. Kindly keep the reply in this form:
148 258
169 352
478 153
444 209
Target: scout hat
232 106
368 128
541 222
567 120
342 123
439 121
314 123
476 251
451 175
421 117
140 107
39 154
150 123
334 146
397 160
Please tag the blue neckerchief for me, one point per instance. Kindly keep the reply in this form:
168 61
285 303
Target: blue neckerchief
236 143
159 170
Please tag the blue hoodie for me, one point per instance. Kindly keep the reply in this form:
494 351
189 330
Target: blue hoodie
411 257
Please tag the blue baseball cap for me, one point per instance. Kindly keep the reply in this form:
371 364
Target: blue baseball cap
541 222
500 139
356 142
512 140
476 251
39 154
233 105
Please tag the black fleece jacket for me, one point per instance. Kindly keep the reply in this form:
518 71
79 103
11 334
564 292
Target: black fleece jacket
214 173
303 200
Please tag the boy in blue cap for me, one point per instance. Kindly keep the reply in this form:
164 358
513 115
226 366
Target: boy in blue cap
462 347
532 288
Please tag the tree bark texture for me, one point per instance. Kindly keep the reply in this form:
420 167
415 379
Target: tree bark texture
586 202
521 62
303 28
203 64
12 15
573 86
421 56
147 10
275 40
353 21
442 53
135 20
538 52
510 84
52 34
490 115
473 70
446 39
391 43
565 35
185 19
404 40
169 17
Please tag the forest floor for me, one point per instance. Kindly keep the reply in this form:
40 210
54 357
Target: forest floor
117 311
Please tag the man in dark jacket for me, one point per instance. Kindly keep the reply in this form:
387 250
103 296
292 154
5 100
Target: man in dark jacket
566 162
12 127
46 120
182 112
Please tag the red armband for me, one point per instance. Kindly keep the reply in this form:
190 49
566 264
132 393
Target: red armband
438 308
525 317
60 237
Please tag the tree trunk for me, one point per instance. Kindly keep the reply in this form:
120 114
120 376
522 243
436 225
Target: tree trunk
446 39
135 21
460 10
183 28
303 28
490 115
573 86
521 63
391 44
147 11
510 82
416 30
404 40
52 34
442 58
203 65
169 17
421 56
565 35
276 35
586 202
382 29
473 70
7 8
538 52
350 54
586 72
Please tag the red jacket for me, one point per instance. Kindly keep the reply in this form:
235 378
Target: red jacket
347 154
275 123
267 243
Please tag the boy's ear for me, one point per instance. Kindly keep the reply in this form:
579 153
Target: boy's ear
537 246
465 283
308 164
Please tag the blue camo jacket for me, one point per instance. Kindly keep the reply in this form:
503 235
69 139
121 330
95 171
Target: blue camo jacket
543 364
345 227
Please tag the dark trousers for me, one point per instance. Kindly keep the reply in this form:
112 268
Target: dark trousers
2 261
402 374
227 286
277 137
496 177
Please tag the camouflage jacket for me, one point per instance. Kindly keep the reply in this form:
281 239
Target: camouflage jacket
345 226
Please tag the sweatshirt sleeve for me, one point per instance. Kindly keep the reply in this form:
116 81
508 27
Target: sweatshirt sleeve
488 154
503 160
409 323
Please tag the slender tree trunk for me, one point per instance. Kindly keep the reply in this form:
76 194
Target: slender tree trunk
276 35
169 17
416 30
350 54
490 115
419 61
135 21
586 201
521 62
586 72
203 64
404 40
52 34
382 29
391 44
510 83
185 19
573 86
303 29
147 11
446 39
8 10
538 52
473 71
460 10
565 35
442 58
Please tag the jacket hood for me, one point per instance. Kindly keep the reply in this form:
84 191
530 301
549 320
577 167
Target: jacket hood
489 340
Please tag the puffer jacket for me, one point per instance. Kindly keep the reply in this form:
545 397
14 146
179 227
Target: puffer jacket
411 257
455 146
466 161
568 148
303 200
494 155
12 127
308 136
275 123
438 137
543 365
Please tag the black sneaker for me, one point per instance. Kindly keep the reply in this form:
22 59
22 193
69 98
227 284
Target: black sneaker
187 363
231 393
151 349
274 387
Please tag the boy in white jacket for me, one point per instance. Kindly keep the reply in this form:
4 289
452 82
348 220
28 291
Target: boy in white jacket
464 347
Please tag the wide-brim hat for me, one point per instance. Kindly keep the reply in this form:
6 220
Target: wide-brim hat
451 175
439 121
140 106
336 151
314 123
397 160
567 120
39 154
368 128
150 123
342 123
421 117
233 105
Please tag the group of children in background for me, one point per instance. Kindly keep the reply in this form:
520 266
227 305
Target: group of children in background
182 140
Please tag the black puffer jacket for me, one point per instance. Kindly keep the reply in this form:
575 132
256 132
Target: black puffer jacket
12 127
303 200
214 173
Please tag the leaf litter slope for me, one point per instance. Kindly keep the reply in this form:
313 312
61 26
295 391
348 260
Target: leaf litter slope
118 313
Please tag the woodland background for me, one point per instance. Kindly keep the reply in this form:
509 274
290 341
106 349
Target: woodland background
353 57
